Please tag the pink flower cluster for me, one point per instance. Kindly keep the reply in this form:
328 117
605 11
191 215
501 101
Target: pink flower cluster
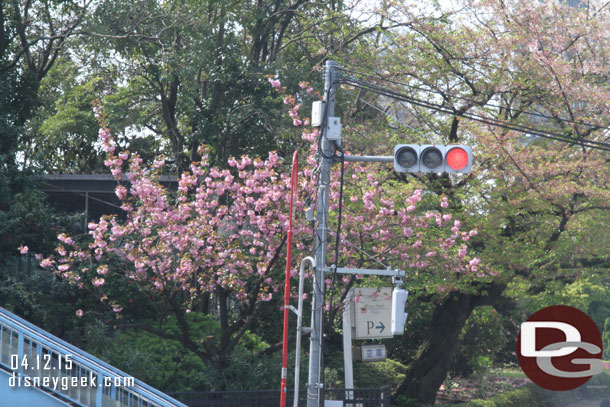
275 83
223 227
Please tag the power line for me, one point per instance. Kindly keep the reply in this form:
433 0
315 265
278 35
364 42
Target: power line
386 114
476 117
475 102
482 119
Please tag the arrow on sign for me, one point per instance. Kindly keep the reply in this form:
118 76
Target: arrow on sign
371 324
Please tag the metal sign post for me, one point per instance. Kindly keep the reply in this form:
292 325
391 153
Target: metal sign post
349 319
348 365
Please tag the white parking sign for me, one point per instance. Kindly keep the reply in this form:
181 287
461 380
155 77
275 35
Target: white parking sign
372 312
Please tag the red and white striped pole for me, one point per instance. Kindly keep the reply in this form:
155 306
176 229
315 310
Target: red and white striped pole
293 191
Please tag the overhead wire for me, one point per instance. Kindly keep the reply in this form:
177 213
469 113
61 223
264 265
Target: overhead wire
386 114
476 102
374 258
476 117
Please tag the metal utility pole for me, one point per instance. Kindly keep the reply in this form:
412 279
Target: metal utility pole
327 151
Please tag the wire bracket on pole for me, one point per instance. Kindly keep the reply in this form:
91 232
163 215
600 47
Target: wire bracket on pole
291 308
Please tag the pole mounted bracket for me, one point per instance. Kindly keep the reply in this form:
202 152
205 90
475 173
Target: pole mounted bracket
291 308
394 273
397 280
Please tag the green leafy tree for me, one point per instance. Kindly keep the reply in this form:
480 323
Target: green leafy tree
63 131
195 72
33 34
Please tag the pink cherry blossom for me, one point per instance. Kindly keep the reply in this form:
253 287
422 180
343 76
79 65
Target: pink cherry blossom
275 83
98 281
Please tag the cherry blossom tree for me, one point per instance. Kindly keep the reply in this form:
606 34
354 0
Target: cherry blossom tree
223 231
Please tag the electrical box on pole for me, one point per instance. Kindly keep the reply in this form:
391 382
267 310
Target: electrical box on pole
333 129
317 113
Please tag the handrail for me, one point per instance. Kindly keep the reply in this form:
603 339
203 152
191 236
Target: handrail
28 351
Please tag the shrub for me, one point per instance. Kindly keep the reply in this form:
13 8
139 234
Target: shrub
164 364
379 374
529 395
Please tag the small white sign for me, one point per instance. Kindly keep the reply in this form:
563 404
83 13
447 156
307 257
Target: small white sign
372 312
373 353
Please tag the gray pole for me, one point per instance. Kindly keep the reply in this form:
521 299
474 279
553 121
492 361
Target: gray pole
328 150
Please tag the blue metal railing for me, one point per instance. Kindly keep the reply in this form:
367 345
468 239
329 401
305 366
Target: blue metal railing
34 357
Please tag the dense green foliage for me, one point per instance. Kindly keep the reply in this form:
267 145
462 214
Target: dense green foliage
482 337
164 364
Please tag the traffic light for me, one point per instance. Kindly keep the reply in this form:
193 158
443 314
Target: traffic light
406 158
452 159
458 159
399 316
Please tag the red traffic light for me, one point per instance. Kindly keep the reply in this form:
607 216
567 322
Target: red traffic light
457 158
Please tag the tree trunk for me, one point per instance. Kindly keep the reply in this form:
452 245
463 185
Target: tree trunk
429 368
